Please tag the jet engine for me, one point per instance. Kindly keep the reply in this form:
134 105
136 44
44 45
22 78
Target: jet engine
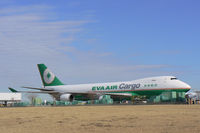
67 97
100 97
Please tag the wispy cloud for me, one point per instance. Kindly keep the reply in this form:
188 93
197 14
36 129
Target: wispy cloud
28 36
32 31
24 9
31 35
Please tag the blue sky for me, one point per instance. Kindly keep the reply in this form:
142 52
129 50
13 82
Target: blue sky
99 41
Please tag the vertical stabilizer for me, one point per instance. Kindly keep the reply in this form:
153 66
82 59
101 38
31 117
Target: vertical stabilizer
48 78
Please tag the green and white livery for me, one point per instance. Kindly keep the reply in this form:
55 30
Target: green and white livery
48 78
142 87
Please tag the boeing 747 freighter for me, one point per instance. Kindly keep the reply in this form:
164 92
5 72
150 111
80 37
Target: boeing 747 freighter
142 87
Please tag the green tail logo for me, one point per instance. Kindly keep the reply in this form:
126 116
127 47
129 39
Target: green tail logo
48 78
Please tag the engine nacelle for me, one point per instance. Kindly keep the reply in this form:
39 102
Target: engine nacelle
67 97
101 97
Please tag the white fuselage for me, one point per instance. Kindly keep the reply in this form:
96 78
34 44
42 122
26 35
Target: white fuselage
146 84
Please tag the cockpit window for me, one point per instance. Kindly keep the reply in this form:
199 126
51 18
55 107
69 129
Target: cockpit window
173 78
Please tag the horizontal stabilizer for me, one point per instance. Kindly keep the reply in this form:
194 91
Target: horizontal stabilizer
12 90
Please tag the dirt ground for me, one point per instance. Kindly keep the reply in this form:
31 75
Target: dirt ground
104 119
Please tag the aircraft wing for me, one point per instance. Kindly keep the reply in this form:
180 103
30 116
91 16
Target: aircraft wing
34 88
100 93
42 92
47 91
119 94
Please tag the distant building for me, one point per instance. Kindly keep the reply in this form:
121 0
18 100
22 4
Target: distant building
9 98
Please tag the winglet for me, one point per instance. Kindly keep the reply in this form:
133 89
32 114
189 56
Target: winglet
12 90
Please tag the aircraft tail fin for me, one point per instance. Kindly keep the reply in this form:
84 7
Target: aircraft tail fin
48 78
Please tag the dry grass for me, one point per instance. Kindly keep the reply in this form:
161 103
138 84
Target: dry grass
112 119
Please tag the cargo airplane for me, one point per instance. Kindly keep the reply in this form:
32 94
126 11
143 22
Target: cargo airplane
142 87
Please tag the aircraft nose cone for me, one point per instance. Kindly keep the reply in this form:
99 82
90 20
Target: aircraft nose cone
185 85
188 86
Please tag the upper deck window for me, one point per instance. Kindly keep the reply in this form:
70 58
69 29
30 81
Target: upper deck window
173 78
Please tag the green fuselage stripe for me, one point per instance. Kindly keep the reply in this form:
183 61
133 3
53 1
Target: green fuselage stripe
149 92
142 92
